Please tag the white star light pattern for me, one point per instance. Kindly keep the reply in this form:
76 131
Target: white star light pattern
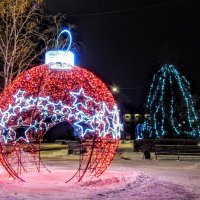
99 120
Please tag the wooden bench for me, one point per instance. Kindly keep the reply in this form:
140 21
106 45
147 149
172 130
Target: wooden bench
75 147
185 150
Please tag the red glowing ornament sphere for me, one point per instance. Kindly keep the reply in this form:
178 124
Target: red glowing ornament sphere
47 95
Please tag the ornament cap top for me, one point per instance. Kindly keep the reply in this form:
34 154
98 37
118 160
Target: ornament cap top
60 58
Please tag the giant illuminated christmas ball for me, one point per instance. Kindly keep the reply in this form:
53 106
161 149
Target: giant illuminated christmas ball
55 92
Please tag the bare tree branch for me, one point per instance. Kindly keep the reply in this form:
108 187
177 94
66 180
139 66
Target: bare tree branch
25 33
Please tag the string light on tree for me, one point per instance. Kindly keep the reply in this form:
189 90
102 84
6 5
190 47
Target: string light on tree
171 106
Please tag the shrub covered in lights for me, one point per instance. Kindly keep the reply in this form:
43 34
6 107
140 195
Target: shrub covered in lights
142 130
171 107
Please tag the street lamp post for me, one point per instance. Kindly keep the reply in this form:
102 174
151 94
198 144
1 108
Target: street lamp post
121 97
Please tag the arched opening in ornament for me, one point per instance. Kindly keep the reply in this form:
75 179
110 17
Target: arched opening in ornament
55 150
62 131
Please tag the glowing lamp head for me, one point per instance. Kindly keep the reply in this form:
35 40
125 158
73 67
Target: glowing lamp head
115 89
59 59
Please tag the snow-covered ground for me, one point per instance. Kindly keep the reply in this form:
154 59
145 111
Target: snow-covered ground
128 177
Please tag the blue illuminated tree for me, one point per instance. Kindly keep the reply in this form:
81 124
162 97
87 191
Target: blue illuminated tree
171 106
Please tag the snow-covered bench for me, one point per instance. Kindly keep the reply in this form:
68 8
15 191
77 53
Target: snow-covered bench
185 150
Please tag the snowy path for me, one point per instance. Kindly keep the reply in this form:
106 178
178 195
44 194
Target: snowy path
132 178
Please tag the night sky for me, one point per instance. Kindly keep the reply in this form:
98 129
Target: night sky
124 42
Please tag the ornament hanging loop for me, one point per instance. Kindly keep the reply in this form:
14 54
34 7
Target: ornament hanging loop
69 37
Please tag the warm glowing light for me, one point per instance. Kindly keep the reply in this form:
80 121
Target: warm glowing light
115 89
